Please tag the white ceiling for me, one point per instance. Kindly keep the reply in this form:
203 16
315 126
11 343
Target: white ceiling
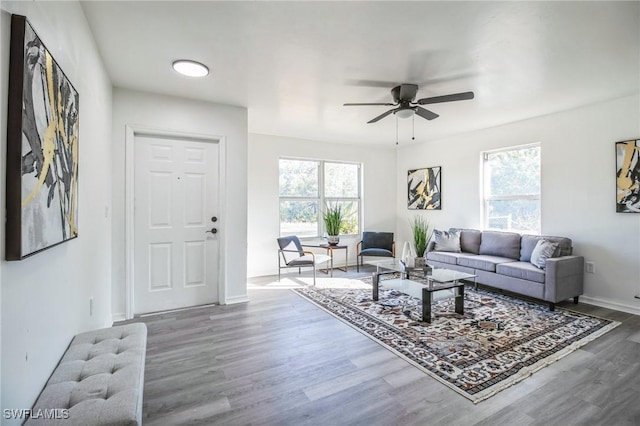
293 64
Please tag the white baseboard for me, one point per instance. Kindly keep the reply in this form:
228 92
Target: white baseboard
236 299
117 317
611 304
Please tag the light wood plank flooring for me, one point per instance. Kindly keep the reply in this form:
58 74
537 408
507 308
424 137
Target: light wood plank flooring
280 360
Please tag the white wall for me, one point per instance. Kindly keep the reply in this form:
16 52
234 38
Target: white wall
45 298
379 177
578 188
166 113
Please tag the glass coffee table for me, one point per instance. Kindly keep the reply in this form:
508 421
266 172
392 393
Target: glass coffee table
420 283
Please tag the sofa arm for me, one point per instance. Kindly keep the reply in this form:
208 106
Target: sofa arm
564 278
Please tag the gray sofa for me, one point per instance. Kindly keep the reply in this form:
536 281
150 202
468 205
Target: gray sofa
502 260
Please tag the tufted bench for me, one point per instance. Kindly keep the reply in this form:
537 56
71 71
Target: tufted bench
99 379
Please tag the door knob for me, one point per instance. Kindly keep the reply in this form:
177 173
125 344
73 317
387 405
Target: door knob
214 219
213 231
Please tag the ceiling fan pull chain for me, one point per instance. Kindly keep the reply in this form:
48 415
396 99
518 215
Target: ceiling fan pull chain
396 130
413 127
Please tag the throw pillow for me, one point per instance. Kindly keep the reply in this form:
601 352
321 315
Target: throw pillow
447 241
541 252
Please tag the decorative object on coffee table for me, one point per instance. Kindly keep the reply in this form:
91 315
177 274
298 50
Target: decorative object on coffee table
420 231
333 217
423 186
42 147
628 176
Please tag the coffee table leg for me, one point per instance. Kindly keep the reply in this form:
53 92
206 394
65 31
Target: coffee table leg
426 305
374 279
460 300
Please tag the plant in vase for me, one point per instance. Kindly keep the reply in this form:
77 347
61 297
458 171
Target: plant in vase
333 219
420 230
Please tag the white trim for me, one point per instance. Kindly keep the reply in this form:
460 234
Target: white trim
118 317
131 131
610 304
237 299
222 216
128 219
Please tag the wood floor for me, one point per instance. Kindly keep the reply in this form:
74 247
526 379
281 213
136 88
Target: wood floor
280 360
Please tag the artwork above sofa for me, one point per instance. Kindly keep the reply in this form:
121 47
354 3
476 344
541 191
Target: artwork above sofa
542 267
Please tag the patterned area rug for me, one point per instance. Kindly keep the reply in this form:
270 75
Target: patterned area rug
499 341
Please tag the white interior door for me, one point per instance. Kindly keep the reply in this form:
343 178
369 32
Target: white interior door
176 261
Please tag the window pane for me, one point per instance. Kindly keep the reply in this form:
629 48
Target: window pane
340 180
351 211
298 178
299 218
514 172
514 215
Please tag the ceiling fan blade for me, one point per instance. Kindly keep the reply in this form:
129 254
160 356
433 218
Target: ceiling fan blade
446 98
425 113
371 83
369 104
381 116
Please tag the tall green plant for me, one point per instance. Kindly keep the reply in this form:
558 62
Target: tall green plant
420 229
333 218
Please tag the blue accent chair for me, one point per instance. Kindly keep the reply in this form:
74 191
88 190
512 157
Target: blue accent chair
378 244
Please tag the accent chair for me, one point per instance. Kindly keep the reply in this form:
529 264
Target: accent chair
293 256
378 244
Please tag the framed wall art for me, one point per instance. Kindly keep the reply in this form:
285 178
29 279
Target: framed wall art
628 176
42 148
424 189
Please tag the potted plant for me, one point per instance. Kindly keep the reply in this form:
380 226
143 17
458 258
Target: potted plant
420 230
333 218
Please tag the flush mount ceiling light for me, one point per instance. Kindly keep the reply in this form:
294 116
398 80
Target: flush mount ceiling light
190 68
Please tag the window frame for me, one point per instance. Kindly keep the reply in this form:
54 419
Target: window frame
321 198
486 182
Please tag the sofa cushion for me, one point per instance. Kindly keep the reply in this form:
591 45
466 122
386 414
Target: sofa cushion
522 270
469 240
565 247
447 241
542 251
502 244
376 252
484 262
446 257
528 243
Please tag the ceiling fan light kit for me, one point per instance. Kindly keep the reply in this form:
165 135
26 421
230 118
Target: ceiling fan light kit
404 113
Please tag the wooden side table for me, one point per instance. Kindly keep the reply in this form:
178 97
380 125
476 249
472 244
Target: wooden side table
330 249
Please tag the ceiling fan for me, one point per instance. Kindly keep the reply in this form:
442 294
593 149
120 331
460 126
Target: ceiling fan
403 98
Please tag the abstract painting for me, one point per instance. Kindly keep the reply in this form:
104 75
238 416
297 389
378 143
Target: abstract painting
628 176
42 148
423 186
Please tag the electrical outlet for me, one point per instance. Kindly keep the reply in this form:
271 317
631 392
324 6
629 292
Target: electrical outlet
91 306
590 267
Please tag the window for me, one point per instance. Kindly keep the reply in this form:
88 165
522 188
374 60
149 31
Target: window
512 189
306 186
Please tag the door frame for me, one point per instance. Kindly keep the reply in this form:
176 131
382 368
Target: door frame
133 131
